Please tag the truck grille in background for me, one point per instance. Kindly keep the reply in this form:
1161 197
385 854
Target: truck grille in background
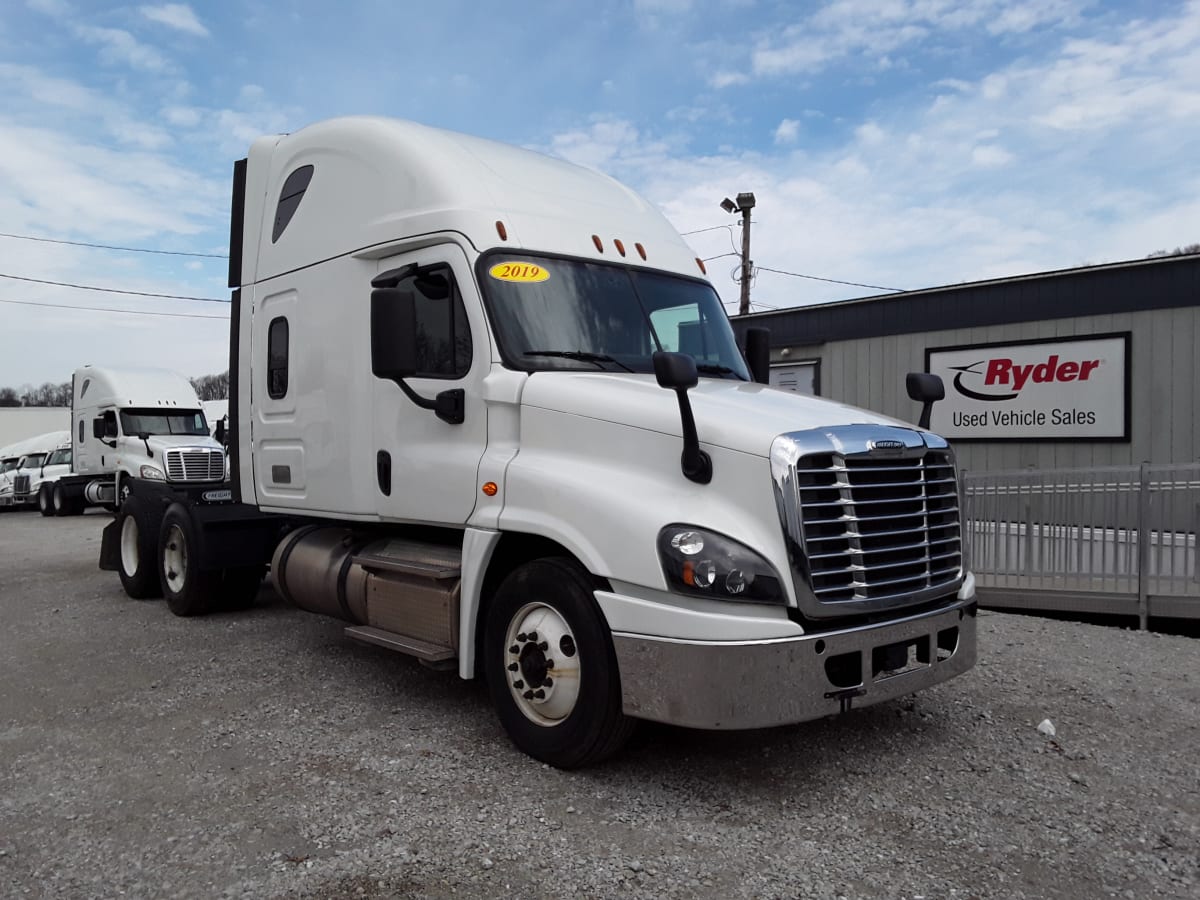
873 529
21 486
196 465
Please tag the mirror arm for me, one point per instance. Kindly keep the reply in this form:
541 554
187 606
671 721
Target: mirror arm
695 463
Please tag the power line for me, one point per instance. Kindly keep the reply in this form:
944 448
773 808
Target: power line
830 280
46 240
702 230
89 287
131 312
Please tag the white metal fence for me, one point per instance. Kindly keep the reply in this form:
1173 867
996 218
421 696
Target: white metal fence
1118 539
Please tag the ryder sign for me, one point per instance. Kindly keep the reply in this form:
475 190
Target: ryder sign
1061 389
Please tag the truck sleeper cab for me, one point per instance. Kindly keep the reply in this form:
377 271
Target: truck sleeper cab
486 408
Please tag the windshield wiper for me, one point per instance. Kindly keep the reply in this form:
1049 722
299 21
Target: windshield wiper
581 356
715 369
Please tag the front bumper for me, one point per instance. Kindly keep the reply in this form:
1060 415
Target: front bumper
757 684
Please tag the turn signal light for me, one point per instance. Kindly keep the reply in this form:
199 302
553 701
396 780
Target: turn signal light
700 263
490 488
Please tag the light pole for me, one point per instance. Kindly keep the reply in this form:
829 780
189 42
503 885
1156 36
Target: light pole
745 203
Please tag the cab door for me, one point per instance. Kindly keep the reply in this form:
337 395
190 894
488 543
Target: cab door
426 468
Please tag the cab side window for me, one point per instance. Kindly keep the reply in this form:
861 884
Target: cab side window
110 424
443 335
277 358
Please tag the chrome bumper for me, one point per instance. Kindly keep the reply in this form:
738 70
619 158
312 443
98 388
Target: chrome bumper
757 684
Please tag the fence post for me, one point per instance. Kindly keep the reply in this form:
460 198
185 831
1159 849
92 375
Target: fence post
1143 547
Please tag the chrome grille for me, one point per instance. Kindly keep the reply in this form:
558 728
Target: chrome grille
21 486
868 530
198 464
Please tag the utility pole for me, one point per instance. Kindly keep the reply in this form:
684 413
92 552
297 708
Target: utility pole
745 203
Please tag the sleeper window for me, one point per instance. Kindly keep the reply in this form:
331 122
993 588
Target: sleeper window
277 358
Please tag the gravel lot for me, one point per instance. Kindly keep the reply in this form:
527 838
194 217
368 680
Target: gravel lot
261 754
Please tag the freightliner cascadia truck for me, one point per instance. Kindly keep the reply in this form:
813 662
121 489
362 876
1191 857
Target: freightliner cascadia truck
486 409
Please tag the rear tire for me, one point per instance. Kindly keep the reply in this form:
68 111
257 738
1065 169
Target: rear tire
45 500
189 590
550 666
59 502
138 569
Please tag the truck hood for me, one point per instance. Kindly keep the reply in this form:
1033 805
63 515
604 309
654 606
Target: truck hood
735 415
172 441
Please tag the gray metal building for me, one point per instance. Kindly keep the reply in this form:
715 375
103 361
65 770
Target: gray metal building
1146 312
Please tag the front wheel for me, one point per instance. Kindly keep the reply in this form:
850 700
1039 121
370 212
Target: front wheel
550 666
190 590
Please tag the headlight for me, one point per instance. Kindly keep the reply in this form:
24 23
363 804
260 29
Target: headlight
705 564
152 472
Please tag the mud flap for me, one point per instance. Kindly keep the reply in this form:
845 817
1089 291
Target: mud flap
110 546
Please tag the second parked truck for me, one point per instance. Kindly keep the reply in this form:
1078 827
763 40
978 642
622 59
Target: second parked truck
486 408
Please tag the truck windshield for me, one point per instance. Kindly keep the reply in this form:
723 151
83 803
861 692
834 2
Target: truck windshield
33 461
567 314
8 465
61 457
156 421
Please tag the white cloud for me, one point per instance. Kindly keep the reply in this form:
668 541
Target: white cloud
787 132
118 46
726 79
989 156
175 15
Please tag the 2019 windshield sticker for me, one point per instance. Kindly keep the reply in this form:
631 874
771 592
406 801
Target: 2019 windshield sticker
519 272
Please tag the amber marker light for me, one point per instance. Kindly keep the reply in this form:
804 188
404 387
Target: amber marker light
501 230
700 263
620 247
490 488
641 250
599 243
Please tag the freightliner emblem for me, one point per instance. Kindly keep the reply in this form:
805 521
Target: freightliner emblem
887 445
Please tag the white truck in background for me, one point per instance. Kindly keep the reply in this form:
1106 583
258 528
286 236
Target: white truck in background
486 408
131 423
54 466
24 461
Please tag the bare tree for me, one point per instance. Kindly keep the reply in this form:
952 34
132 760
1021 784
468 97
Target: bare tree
8 397
1178 251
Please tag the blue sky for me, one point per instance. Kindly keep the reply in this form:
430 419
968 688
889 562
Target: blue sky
899 143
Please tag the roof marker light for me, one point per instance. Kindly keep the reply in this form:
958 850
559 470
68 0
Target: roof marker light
700 263
599 244
501 230
620 247
641 250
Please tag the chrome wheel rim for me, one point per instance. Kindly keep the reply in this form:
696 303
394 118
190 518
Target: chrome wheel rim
175 559
129 545
541 664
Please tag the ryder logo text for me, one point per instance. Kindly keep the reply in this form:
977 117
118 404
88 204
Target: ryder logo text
1006 378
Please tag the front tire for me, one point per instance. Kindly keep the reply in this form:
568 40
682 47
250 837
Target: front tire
139 574
190 591
550 666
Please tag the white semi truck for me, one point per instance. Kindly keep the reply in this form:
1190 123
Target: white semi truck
20 466
126 424
486 408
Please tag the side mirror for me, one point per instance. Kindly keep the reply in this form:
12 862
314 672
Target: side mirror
926 389
677 372
219 434
758 354
393 334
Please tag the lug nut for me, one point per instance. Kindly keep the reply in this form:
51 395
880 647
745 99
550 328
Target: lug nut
533 635
547 681
512 667
514 649
521 637
539 694
518 684
543 646
528 695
